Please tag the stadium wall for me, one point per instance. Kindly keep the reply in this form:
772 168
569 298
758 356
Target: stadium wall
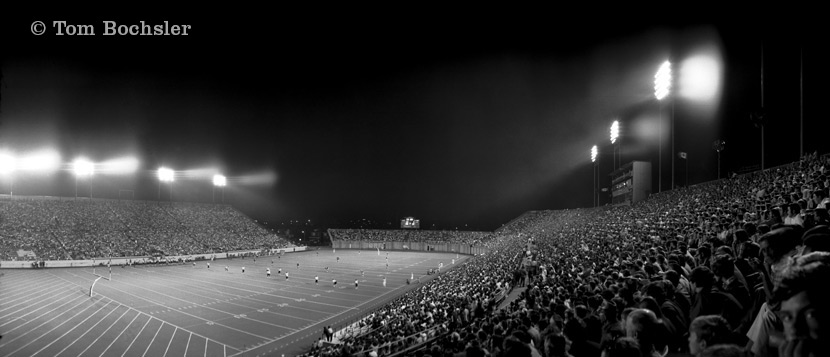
28 264
460 248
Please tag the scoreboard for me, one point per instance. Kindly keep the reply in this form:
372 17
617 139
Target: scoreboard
410 223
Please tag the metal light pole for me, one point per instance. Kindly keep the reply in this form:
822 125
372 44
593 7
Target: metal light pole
8 165
718 145
615 134
166 175
594 152
662 88
84 168
219 181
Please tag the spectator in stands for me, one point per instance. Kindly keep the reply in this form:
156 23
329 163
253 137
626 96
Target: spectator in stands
643 326
621 347
709 300
708 330
804 298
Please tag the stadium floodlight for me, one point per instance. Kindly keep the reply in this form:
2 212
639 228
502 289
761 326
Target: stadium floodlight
594 152
615 131
165 175
83 167
119 166
219 181
8 163
44 160
662 81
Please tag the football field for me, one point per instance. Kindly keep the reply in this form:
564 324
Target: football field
187 310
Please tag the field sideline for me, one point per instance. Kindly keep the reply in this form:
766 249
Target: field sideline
186 310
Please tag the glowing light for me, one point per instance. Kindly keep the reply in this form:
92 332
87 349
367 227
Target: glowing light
165 174
124 165
44 160
615 131
83 167
7 163
219 180
594 152
700 78
662 81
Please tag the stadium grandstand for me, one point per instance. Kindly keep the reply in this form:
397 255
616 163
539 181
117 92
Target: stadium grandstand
654 271
49 228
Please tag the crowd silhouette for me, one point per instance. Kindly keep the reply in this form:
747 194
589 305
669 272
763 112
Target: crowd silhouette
732 267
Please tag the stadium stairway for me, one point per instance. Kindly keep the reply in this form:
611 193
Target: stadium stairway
511 297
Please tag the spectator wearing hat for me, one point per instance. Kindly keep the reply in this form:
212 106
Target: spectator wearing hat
778 247
816 239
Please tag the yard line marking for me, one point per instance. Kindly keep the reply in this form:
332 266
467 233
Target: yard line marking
321 322
38 294
105 331
36 284
64 334
136 337
202 305
187 345
261 301
72 329
171 340
27 322
119 335
154 338
268 293
87 331
169 308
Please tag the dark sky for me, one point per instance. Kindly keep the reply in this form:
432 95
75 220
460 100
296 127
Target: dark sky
453 118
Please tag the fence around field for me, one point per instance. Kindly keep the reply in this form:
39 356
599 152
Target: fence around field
460 248
31 264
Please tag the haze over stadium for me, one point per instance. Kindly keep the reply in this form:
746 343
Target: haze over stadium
459 122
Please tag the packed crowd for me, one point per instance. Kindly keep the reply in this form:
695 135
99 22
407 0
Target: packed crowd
403 235
728 268
84 229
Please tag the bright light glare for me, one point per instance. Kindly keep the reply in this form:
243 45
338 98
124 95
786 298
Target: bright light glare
45 160
662 81
700 78
124 165
594 154
219 180
165 174
615 131
7 163
83 167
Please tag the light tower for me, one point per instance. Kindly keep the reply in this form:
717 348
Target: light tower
8 164
615 134
83 168
219 181
166 175
594 152
662 89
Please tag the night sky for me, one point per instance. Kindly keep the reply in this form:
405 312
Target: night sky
456 119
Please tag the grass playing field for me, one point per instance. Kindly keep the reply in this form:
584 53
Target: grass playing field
182 310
